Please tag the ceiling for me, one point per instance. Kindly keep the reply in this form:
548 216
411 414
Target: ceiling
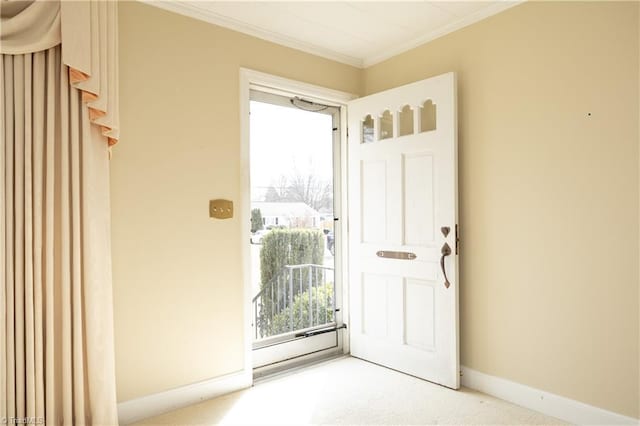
358 33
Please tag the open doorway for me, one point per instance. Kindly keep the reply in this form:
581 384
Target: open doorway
294 198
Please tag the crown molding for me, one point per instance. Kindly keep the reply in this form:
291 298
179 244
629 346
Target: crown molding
193 11
440 32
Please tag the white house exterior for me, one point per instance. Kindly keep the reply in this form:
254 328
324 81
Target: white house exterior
288 214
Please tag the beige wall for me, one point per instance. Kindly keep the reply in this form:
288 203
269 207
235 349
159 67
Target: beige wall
177 273
548 195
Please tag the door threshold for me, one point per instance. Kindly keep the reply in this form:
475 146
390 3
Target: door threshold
284 368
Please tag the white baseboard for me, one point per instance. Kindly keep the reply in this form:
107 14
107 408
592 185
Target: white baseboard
562 408
152 405
547 403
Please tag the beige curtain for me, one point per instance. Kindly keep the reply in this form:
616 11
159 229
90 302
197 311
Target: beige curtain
56 320
88 31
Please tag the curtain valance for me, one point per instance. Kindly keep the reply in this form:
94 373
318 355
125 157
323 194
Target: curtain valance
87 31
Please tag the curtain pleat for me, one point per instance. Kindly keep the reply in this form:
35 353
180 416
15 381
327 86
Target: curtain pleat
10 303
29 338
88 31
63 251
90 48
57 343
39 116
19 218
3 290
53 382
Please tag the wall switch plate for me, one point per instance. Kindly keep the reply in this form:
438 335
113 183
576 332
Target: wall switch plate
221 209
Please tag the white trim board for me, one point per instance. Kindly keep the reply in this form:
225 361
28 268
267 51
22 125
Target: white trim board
464 21
543 402
162 402
534 399
191 10
284 86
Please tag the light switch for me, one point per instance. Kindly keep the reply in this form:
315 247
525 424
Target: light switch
221 209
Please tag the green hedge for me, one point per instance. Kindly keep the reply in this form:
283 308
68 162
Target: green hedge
282 247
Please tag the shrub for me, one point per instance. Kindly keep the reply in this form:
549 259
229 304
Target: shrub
321 311
256 220
280 285
282 247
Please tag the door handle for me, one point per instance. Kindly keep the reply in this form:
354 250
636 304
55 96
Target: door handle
446 251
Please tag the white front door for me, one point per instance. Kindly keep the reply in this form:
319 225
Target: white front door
403 285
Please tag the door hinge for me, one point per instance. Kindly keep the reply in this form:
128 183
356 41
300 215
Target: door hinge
457 239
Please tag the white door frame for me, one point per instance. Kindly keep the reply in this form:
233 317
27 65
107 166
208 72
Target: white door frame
250 79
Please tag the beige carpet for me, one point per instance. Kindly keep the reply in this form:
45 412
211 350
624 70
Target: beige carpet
351 391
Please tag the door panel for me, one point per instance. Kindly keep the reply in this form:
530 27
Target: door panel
419 319
419 215
403 190
374 222
375 290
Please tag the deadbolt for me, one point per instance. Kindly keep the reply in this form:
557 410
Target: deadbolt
445 231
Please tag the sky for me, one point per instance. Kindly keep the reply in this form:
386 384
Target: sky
283 140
